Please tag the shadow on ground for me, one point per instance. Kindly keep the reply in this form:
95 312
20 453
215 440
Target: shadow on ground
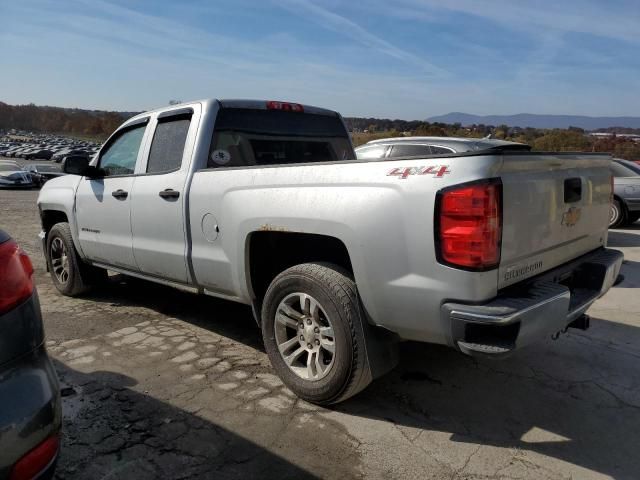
112 431
575 400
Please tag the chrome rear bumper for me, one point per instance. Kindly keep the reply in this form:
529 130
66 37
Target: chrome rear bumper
531 310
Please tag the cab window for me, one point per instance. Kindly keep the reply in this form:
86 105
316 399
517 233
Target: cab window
121 154
253 137
168 143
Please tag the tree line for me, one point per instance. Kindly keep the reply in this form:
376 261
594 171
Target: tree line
70 121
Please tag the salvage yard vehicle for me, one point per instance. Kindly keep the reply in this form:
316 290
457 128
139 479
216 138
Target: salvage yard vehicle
30 408
625 208
396 147
41 173
12 175
264 203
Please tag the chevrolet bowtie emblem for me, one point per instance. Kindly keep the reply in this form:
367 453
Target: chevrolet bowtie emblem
571 216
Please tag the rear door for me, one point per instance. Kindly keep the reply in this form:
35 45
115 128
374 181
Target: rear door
103 205
158 201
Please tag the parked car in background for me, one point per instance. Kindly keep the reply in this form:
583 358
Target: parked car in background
42 153
40 173
625 208
30 409
397 147
59 156
12 175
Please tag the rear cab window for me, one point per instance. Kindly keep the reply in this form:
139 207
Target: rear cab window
254 137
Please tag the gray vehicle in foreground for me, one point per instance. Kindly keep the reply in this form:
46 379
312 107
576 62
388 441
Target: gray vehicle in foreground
625 208
30 411
264 203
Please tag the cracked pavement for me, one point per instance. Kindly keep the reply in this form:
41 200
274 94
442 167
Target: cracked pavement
161 383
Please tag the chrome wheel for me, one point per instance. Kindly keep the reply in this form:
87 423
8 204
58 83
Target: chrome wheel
59 260
614 214
304 335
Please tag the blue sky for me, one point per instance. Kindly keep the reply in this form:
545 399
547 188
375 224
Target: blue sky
406 59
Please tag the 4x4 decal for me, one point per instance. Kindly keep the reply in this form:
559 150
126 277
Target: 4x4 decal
437 171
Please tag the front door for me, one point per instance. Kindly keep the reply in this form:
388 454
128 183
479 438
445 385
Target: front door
103 205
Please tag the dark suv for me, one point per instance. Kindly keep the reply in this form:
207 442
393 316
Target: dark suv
30 412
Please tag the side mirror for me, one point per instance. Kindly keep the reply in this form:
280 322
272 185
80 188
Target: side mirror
79 165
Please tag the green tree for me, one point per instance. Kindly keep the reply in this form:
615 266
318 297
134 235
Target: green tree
562 141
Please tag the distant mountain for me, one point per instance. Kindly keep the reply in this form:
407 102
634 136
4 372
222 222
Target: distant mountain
539 121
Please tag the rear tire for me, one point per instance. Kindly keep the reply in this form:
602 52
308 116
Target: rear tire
70 275
330 365
617 214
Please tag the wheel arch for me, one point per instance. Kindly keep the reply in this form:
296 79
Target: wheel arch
267 253
50 217
52 214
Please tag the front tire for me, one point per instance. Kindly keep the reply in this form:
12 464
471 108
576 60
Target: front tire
616 215
313 333
70 275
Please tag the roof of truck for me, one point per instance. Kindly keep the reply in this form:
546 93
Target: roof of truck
235 103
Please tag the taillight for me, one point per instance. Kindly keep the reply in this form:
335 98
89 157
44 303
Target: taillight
469 225
36 461
16 270
288 107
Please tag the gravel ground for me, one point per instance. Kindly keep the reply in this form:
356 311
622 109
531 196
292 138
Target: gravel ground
159 383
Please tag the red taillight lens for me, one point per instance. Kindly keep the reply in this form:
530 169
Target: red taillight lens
469 232
16 270
288 107
34 462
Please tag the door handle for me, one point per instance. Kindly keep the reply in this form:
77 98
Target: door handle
169 193
120 194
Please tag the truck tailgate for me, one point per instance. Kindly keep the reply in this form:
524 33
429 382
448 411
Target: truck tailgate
555 208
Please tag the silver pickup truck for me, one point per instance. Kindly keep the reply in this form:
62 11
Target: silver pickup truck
264 203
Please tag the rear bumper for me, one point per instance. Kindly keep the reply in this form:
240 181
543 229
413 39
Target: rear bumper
534 309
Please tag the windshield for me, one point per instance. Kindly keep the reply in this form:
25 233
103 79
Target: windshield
245 137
